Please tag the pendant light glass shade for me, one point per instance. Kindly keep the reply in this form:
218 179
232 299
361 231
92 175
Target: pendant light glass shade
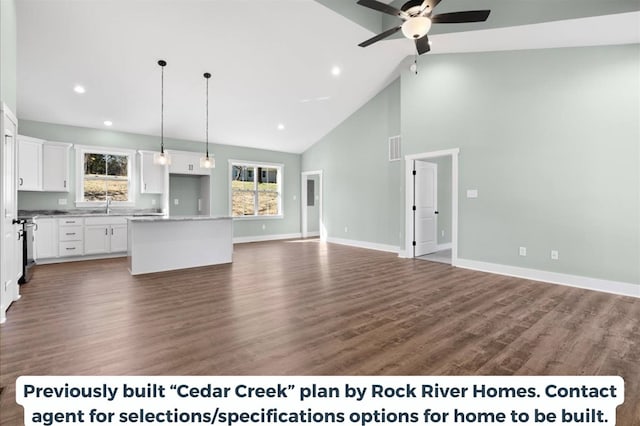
162 158
207 162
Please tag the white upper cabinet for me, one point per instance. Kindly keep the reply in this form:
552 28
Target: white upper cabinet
186 163
29 164
151 175
42 165
55 167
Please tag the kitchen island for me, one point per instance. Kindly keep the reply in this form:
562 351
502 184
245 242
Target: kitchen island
157 244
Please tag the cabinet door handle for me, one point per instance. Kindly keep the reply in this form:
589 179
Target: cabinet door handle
106 231
70 248
70 233
111 231
145 186
65 183
21 182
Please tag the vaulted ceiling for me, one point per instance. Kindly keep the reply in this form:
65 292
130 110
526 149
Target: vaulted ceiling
271 60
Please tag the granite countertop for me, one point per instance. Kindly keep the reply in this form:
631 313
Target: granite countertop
176 218
24 214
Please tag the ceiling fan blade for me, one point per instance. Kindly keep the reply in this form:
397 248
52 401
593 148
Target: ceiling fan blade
422 45
380 36
461 17
428 6
383 7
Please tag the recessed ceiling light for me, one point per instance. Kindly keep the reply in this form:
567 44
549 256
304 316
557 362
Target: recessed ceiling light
280 126
336 71
79 89
108 123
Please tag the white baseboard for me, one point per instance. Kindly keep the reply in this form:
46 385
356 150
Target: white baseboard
606 286
65 259
364 244
446 246
312 234
272 237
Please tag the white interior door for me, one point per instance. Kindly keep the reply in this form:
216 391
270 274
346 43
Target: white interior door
426 208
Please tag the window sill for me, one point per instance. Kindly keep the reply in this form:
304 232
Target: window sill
258 217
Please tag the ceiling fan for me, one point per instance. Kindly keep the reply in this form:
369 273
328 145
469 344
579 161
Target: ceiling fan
417 16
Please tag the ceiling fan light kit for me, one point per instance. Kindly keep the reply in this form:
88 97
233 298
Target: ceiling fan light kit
417 17
417 27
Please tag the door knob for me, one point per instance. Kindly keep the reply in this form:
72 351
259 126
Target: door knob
436 212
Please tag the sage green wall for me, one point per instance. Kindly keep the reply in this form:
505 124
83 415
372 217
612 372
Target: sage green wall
550 138
290 224
361 188
8 36
185 189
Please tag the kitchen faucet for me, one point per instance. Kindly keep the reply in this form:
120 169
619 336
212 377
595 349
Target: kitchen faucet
108 205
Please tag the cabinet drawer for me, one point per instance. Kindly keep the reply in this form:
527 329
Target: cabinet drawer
71 221
71 233
70 248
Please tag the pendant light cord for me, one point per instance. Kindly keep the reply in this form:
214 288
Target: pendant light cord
207 76
162 109
207 117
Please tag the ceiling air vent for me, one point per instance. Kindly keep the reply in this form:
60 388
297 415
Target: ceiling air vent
394 148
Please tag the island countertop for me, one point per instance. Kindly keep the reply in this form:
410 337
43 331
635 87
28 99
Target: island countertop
175 218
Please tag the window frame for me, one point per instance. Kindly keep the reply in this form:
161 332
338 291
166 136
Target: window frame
256 164
81 150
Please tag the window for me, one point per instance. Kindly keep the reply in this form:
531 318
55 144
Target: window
102 173
256 189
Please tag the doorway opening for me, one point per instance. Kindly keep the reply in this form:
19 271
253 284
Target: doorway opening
431 207
311 205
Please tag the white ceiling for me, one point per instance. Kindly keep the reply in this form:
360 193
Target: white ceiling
271 62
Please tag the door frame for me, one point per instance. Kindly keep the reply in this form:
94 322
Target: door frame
303 203
409 199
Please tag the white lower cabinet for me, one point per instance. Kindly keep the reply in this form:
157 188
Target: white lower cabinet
105 235
70 237
45 239
118 238
96 239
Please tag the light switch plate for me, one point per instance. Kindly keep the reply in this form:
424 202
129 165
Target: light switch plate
554 255
153 202
472 193
176 201
523 251
62 201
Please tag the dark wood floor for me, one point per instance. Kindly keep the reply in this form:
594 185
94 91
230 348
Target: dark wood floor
305 308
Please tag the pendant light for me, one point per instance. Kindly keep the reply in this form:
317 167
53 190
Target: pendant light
162 158
207 162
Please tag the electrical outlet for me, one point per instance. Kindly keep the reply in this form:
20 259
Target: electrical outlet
523 251
346 229
264 226
62 201
554 254
295 197
176 201
153 201
442 233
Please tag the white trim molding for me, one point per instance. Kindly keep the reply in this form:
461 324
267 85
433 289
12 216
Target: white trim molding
606 286
303 206
364 244
446 246
259 238
408 190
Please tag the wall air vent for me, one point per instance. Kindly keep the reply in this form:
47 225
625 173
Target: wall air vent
394 148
